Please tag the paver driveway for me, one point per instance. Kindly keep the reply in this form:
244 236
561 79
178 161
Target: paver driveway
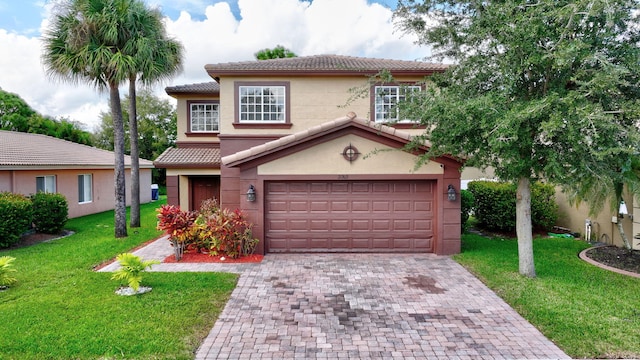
362 306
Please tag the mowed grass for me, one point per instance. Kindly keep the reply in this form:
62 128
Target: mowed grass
62 309
587 311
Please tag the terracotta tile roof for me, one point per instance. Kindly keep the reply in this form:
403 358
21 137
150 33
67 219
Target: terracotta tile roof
189 158
210 87
350 120
23 150
326 64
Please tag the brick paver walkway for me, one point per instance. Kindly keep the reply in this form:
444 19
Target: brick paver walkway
362 306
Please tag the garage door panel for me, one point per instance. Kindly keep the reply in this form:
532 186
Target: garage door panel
299 206
298 224
361 225
320 206
359 216
339 225
319 225
360 188
423 206
402 225
339 206
381 206
360 206
402 206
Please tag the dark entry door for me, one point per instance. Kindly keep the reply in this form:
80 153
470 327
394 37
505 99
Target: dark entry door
203 188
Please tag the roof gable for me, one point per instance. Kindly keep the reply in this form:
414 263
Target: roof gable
24 150
323 130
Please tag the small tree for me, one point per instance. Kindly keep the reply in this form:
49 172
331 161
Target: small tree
131 268
6 268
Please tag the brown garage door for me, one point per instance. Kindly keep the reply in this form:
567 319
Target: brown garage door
354 216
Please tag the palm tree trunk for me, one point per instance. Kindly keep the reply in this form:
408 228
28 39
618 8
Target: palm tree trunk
524 228
135 155
623 235
120 211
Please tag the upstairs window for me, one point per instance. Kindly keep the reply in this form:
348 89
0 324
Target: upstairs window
386 100
85 188
204 117
46 184
260 104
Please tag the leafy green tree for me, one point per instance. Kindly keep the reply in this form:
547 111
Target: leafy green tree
17 115
86 43
156 56
157 131
277 52
546 89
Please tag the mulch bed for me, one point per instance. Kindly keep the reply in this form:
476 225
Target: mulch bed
616 257
194 257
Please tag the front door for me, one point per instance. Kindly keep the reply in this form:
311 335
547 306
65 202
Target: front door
203 188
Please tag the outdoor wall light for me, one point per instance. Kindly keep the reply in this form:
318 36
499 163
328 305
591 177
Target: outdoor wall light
451 193
251 194
623 209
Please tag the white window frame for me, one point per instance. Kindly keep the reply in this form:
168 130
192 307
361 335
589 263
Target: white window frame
85 188
48 183
262 104
386 98
204 117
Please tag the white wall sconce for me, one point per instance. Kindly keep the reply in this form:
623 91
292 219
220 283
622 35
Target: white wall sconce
451 193
623 209
251 194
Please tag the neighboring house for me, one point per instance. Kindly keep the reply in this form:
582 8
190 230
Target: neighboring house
314 169
84 175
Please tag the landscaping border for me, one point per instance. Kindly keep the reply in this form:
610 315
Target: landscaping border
583 256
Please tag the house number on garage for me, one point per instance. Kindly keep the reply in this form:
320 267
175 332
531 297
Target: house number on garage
350 153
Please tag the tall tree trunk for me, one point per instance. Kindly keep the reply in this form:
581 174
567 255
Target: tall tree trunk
118 149
135 155
524 228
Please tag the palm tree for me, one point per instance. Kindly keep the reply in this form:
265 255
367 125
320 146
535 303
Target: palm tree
156 57
598 190
85 43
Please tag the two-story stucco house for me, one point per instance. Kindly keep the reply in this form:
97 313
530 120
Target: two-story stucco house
280 140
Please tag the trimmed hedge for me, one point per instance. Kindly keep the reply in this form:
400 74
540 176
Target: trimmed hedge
15 217
495 205
50 212
467 201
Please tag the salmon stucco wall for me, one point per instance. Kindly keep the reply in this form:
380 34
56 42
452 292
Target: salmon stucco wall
24 182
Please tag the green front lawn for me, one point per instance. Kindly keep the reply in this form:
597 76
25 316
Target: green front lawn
61 309
587 311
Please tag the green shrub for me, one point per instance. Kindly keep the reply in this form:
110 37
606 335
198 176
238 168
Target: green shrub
544 209
467 202
15 217
495 205
50 212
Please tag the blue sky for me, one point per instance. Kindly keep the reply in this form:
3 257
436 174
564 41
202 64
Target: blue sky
211 31
25 16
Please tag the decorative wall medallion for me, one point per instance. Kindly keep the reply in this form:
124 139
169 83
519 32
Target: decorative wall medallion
350 153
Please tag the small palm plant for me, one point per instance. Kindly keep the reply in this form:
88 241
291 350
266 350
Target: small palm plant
131 268
6 268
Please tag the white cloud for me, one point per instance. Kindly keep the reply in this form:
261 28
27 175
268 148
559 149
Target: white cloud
344 27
